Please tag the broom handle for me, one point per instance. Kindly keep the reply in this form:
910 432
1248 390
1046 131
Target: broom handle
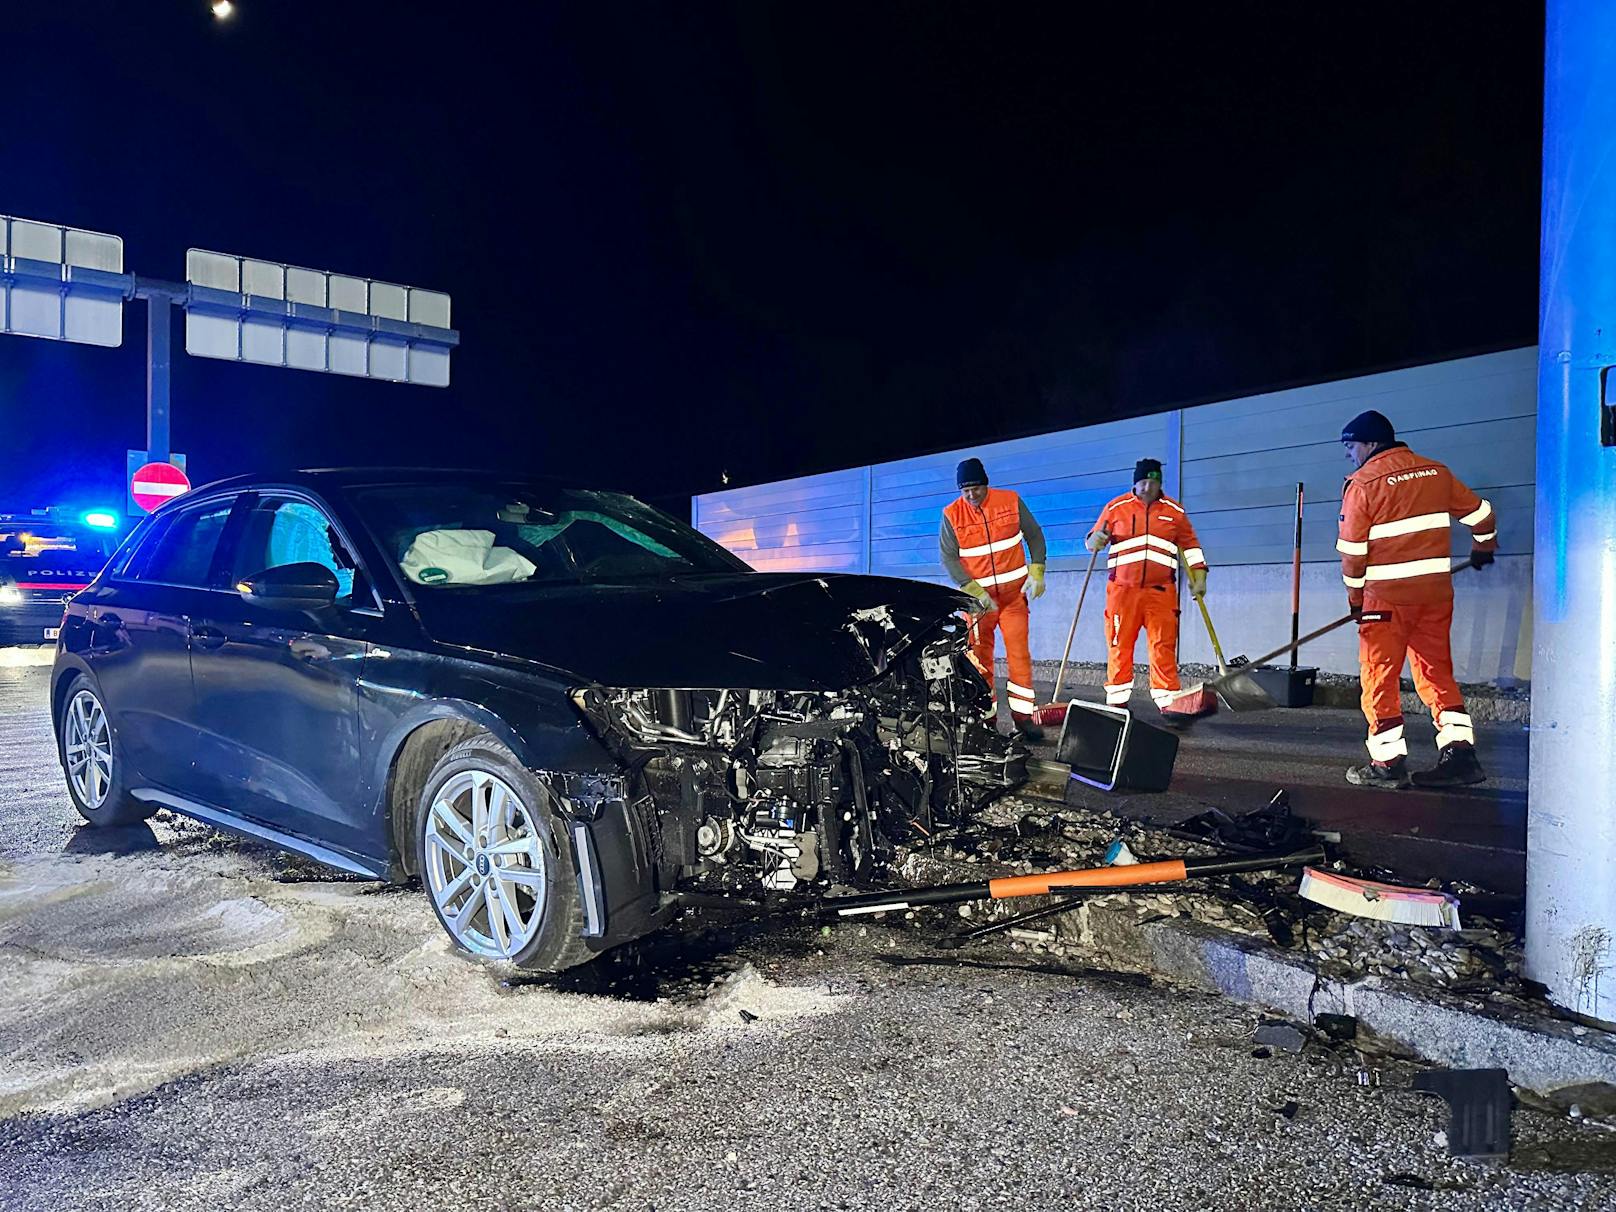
1071 632
1328 627
1296 579
1206 617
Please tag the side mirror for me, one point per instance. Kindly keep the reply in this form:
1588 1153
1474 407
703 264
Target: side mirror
306 586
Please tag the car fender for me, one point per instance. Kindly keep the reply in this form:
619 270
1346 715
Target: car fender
532 717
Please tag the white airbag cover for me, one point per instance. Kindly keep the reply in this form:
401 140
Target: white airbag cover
463 557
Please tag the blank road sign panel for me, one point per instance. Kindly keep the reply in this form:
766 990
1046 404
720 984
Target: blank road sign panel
307 319
305 286
36 241
263 278
213 269
61 283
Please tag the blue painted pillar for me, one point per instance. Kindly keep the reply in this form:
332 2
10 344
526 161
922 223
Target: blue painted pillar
1571 826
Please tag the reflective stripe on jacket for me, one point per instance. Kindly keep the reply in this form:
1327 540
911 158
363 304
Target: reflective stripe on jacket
1394 537
1146 540
991 544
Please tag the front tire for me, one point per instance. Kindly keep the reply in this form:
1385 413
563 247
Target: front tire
92 760
496 861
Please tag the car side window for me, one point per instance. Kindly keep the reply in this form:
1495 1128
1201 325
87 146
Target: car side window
284 530
183 551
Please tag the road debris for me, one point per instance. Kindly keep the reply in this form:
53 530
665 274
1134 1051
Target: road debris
1480 1103
1279 1034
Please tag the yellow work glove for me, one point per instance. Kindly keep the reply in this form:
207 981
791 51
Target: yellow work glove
1198 582
1035 582
984 600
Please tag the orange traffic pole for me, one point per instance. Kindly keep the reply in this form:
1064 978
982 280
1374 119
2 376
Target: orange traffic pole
1158 871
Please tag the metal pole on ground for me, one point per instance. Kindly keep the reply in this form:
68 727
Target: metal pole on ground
1571 826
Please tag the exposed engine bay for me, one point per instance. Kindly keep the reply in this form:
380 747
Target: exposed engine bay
772 790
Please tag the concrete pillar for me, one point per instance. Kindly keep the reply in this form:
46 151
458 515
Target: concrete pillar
1571 828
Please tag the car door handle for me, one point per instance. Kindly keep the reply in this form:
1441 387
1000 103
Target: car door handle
208 637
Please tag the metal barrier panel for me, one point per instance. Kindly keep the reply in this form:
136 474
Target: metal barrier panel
810 524
1234 464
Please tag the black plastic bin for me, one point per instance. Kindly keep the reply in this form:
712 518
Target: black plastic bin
1286 686
1110 748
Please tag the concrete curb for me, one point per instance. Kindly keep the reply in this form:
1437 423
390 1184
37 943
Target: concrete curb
1540 1053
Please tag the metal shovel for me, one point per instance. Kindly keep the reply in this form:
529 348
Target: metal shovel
1238 690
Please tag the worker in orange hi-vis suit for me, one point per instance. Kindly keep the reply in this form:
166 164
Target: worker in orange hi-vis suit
993 548
1396 509
1146 530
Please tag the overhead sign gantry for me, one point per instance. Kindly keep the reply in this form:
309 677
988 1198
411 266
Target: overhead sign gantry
68 284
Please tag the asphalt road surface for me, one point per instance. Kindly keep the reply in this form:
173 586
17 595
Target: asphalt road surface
192 1022
1237 762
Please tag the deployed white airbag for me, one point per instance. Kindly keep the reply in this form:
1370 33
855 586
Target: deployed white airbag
463 557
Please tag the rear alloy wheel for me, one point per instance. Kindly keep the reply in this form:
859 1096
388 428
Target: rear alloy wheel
495 865
89 753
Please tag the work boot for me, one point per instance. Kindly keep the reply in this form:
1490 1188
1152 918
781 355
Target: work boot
1391 775
1456 766
1028 729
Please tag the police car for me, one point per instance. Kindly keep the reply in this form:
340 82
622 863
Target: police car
45 558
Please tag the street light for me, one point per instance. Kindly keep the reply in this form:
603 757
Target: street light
222 9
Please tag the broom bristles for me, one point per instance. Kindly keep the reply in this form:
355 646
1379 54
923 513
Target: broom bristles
1382 902
1049 713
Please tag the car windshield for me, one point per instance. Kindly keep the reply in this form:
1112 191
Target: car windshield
463 536
51 551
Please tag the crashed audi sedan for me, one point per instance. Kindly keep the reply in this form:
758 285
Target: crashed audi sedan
566 713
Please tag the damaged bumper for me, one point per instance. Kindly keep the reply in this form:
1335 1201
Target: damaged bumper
747 791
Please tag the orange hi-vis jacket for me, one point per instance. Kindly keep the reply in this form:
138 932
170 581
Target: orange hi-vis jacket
990 540
1394 537
1146 540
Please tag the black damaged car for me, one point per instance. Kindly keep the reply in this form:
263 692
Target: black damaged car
564 711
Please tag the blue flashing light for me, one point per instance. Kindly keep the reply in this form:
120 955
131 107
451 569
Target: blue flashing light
101 519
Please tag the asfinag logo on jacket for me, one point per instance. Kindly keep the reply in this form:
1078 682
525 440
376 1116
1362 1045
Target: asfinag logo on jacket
1412 475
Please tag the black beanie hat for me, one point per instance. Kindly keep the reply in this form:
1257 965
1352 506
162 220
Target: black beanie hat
1147 469
970 471
1369 426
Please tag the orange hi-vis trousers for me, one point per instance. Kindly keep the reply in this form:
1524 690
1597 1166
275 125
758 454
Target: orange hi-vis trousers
1417 632
1127 609
1010 617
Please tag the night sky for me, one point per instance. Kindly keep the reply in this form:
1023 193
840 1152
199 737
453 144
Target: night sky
769 239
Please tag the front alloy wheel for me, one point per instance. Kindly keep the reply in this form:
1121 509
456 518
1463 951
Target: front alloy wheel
496 861
485 866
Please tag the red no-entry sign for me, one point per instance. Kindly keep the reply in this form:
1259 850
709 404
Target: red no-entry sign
155 483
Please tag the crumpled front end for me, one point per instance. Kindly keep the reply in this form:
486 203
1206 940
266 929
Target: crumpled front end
775 790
